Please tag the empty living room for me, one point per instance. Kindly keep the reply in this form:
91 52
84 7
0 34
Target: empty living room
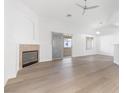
61 46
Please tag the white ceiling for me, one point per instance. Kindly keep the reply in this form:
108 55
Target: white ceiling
58 9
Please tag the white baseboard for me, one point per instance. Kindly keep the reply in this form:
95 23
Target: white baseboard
45 60
10 77
105 53
116 62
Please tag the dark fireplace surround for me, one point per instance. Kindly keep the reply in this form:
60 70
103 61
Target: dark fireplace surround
28 54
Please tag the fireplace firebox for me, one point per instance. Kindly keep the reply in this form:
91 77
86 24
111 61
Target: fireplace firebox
29 57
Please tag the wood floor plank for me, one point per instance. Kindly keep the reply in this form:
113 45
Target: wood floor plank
89 74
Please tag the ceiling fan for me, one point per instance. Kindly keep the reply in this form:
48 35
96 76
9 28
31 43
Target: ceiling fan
85 7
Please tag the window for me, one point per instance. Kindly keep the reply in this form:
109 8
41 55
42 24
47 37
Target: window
67 43
89 43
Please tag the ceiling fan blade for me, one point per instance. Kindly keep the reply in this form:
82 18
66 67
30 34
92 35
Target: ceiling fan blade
92 7
83 12
80 6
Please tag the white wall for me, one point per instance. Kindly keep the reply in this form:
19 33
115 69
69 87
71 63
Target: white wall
109 45
116 36
21 26
108 42
47 26
105 42
116 53
79 45
106 45
116 46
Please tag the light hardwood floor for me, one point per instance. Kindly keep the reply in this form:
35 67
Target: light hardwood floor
90 74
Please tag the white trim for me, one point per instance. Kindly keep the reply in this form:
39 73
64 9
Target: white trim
10 77
45 60
105 53
116 62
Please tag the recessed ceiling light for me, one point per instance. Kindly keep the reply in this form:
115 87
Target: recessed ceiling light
69 15
97 32
101 23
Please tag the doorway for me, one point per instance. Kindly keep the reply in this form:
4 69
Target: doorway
67 51
61 46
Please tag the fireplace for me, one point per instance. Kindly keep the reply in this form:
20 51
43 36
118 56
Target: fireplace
29 57
28 54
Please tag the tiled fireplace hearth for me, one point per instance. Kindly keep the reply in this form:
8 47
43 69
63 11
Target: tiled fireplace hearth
28 54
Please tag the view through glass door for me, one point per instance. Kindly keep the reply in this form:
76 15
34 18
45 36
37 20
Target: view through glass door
67 46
